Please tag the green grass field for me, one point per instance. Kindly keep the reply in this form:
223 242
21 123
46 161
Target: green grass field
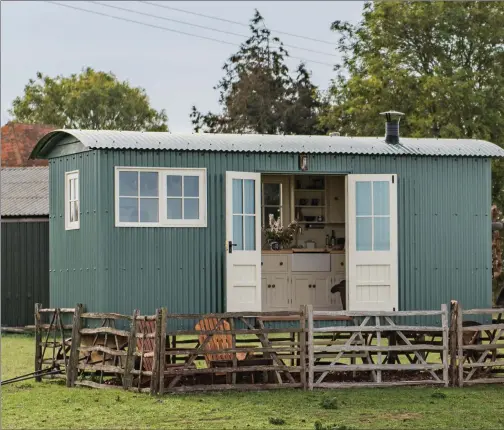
29 404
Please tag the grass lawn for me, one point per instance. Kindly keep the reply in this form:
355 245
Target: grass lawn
51 405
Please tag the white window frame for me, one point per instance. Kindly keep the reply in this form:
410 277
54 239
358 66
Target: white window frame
69 176
264 222
163 172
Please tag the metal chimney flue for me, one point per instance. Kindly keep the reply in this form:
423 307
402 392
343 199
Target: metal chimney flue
392 126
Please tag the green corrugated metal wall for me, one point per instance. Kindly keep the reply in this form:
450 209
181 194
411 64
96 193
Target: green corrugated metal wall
74 254
444 232
25 270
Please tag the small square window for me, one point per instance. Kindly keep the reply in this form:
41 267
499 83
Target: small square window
72 202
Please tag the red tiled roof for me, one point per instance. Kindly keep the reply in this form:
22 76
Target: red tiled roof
18 141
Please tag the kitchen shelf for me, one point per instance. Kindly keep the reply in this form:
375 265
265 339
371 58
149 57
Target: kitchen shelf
317 190
322 223
310 206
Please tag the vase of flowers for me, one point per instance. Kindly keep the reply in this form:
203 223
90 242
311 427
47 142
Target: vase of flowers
278 236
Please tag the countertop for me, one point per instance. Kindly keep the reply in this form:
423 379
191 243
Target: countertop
304 251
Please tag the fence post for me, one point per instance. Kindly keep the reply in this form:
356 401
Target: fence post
460 342
38 341
233 346
73 360
453 342
155 358
310 347
162 350
130 355
444 325
302 345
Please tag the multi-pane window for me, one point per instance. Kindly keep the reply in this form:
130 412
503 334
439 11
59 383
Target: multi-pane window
138 197
72 215
244 215
373 215
182 197
271 201
160 197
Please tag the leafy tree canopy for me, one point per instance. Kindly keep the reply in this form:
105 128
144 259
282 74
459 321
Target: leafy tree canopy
441 63
89 100
258 94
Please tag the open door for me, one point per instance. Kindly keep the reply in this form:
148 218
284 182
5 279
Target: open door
243 242
371 236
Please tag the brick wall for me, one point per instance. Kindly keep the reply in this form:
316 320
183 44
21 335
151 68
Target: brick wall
18 141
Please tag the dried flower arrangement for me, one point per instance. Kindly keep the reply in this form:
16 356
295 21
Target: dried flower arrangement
275 233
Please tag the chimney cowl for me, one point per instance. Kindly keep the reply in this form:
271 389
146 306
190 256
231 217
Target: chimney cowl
392 126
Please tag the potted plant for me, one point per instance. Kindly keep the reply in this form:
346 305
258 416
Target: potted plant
278 236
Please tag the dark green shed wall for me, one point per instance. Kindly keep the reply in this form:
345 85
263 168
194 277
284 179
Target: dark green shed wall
25 270
444 232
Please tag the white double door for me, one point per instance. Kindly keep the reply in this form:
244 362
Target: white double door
371 242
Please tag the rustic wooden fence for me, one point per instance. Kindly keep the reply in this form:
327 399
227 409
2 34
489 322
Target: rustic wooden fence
269 350
52 340
104 355
480 347
231 351
374 347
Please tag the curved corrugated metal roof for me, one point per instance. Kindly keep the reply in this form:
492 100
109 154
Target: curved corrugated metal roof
111 139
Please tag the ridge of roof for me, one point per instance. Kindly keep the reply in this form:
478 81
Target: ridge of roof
137 140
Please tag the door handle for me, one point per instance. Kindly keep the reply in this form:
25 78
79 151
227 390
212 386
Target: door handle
269 286
273 285
230 246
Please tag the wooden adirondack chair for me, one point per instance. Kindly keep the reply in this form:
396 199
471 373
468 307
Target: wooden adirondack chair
217 341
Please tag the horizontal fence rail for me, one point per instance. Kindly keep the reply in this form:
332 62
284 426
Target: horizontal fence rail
376 345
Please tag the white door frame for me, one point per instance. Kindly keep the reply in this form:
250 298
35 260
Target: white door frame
243 267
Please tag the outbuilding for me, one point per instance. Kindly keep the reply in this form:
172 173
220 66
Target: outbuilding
25 242
140 220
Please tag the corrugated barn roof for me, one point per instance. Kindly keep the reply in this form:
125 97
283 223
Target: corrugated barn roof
25 191
110 139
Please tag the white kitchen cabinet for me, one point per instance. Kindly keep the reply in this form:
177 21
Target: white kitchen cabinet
321 291
336 199
277 293
333 280
302 291
311 289
338 263
283 289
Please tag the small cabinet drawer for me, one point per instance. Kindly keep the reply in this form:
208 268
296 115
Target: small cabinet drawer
274 263
337 263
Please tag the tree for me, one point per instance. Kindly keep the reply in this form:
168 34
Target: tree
89 100
257 93
441 63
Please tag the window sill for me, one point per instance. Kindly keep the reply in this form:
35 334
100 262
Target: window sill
159 225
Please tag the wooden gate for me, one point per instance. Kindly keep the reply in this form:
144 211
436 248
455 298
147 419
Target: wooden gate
480 347
375 350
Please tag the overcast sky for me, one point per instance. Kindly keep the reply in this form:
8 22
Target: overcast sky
176 70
